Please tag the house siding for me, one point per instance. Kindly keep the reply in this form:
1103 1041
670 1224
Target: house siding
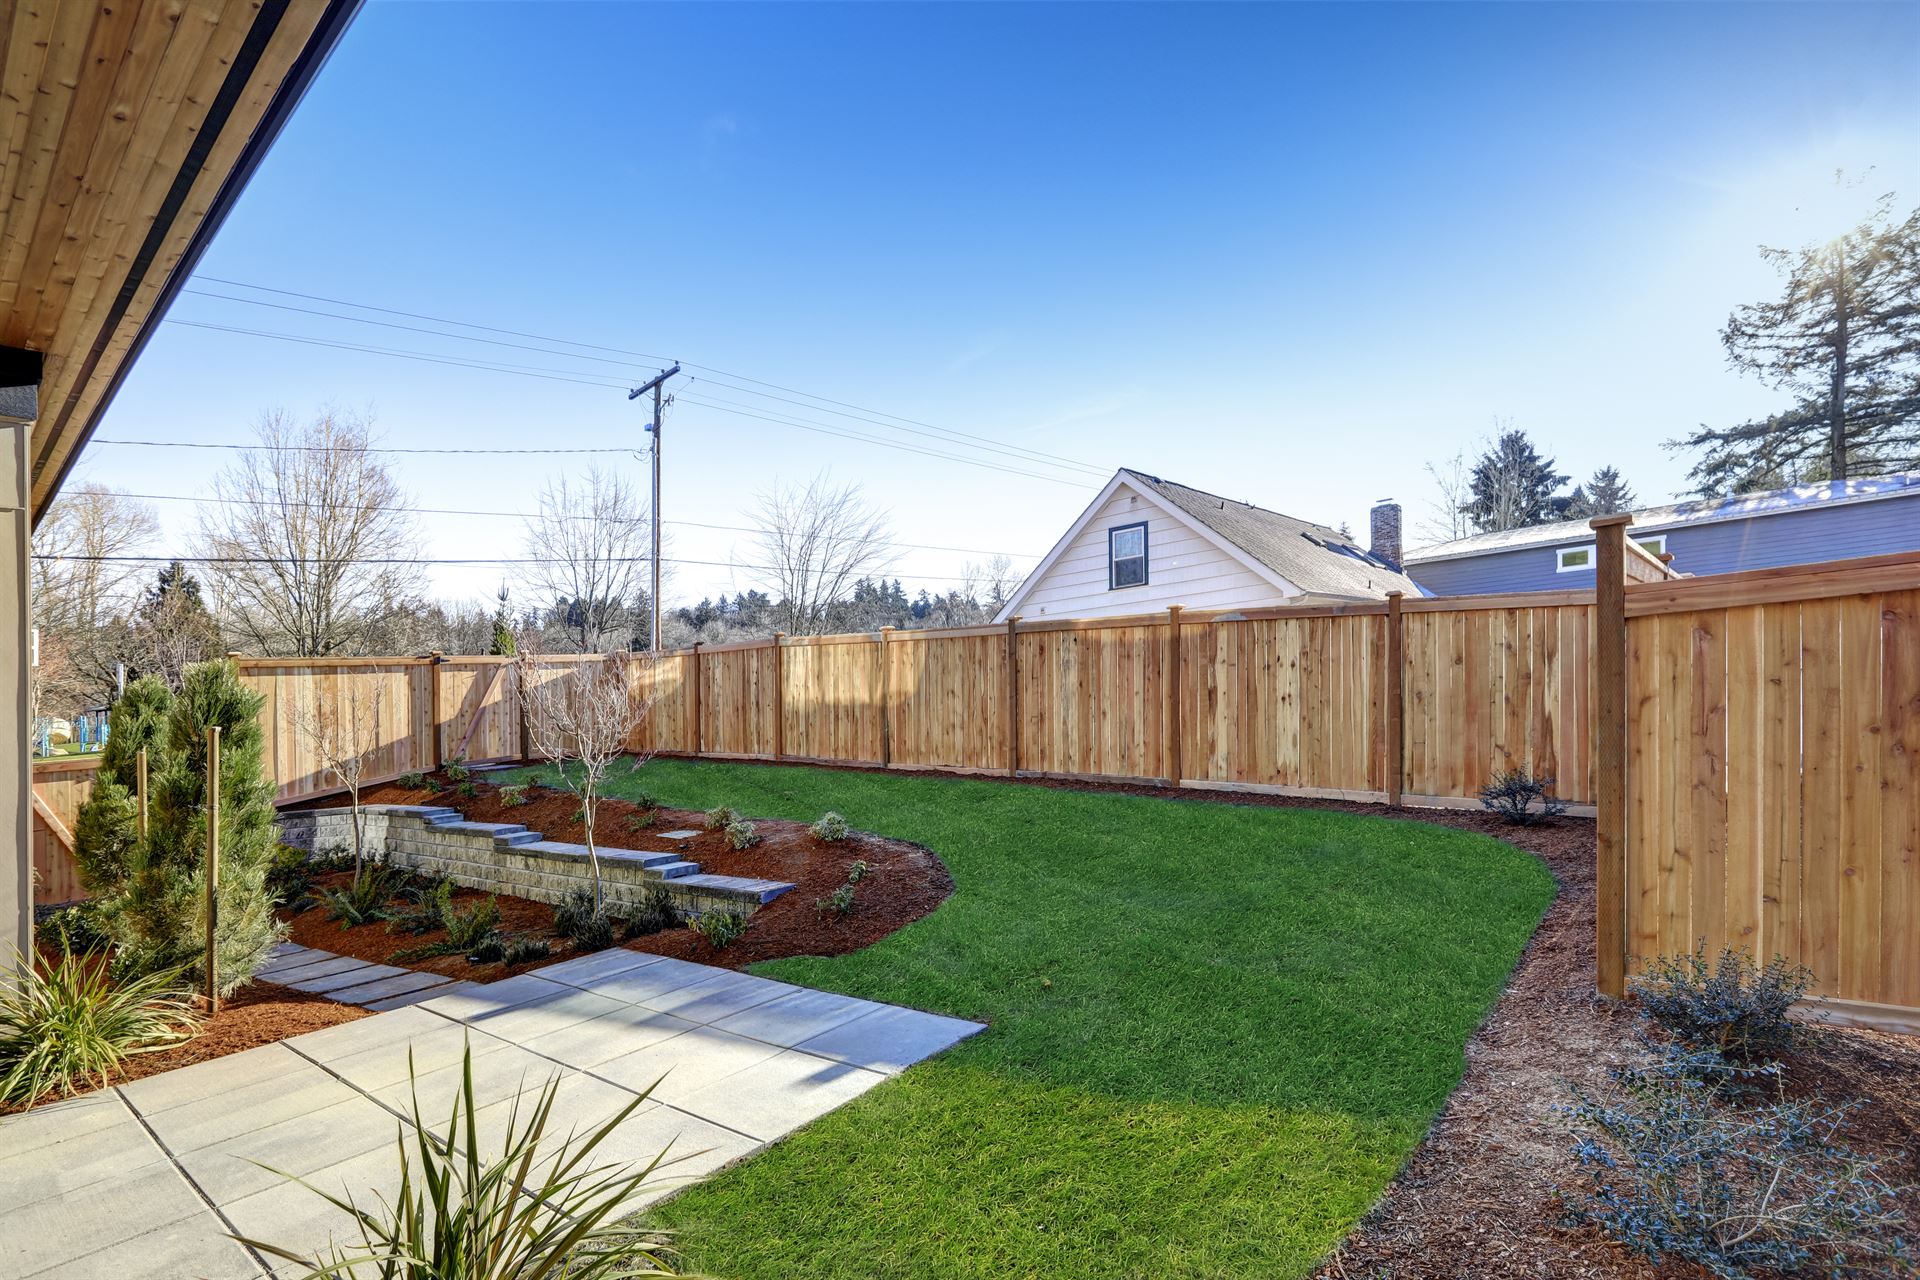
1761 542
1183 568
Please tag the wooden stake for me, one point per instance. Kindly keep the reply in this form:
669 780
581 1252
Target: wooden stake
1013 696
140 789
213 863
779 697
436 749
886 697
1396 700
1170 748
696 697
1610 752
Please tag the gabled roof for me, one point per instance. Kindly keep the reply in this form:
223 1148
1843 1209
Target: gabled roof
1318 560
1650 520
1299 558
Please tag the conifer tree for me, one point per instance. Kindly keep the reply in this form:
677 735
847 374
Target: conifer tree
162 923
106 829
1604 494
1842 344
1512 486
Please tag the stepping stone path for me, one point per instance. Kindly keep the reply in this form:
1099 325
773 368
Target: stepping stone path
342 978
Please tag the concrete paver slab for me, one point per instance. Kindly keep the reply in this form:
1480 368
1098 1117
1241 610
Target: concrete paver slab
463 1006
565 1007
773 1098
422 995
170 1251
63 1121
792 1018
64 1229
301 1089
398 984
420 1054
584 971
648 983
677 1068
330 1044
629 1029
297 1218
890 1039
238 1167
719 997
76 1164
323 963
184 1085
341 979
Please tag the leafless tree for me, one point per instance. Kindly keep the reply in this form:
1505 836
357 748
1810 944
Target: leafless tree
580 717
814 544
323 552
1447 518
992 584
83 593
590 540
343 733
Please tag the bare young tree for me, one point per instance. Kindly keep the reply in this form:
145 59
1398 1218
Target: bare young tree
83 593
590 541
1447 518
343 734
322 552
814 544
580 718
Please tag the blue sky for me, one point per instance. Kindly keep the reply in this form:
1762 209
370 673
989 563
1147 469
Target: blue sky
1289 253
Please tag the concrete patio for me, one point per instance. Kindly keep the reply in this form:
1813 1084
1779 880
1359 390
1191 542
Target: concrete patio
148 1179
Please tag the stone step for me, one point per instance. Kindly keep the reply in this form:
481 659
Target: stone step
495 829
512 838
674 870
751 889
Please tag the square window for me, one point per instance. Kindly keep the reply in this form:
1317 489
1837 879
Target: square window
1127 556
1654 544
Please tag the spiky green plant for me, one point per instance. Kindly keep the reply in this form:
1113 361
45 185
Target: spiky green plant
466 931
540 1209
720 818
365 898
65 1024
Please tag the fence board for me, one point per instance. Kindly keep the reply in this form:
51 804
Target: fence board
830 700
60 786
948 697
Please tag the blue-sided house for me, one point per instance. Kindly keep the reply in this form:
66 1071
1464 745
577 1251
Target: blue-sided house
1809 523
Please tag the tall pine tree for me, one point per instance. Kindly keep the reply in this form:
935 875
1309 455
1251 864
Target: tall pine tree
1843 342
1604 494
1512 486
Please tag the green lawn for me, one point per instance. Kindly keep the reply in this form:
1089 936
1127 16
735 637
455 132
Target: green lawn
1217 1031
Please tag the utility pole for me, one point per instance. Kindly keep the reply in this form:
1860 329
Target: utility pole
654 427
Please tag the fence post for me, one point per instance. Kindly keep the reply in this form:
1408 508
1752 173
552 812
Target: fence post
1170 748
696 697
213 863
1610 752
1013 696
779 698
140 789
886 697
435 749
1396 701
520 675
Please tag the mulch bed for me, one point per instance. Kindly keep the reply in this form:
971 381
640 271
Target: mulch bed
904 882
259 1013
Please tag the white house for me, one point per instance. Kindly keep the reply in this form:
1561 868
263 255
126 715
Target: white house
1147 543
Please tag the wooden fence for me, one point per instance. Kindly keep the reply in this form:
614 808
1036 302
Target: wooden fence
1748 741
61 784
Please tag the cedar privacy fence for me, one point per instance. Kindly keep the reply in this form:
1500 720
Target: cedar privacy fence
1748 741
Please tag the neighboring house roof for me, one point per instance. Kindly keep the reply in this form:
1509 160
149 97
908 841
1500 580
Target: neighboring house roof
1650 520
1296 556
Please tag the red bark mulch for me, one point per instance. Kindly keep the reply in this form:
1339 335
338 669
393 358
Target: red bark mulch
259 1013
904 883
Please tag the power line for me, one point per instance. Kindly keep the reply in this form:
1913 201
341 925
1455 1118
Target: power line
423 357
786 421
963 438
321 448
413 315
228 561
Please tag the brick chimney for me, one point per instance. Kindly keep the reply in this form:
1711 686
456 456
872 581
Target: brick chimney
1384 539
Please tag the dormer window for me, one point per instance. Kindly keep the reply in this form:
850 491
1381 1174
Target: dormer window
1127 556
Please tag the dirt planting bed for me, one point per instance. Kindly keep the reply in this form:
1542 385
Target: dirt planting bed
903 883
259 1013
